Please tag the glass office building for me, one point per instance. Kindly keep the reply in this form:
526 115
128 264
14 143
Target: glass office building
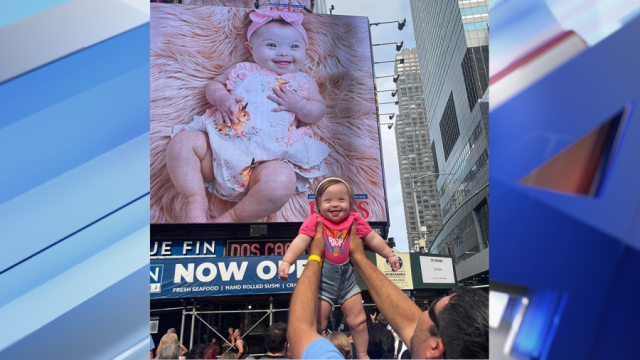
452 46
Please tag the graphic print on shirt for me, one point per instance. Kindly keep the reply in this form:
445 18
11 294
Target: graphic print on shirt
336 242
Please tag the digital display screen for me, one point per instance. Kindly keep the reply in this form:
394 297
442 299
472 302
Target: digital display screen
250 111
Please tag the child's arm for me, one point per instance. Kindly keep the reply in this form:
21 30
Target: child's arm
297 248
310 109
377 244
218 95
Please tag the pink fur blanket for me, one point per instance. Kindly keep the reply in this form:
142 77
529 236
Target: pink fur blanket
190 45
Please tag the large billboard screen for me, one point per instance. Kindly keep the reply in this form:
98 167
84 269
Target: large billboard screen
251 110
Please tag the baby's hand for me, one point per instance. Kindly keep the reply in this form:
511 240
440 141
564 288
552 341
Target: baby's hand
288 100
228 107
394 262
284 271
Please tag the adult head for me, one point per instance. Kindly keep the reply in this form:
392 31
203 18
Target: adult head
238 334
197 352
454 327
169 352
381 320
167 339
228 355
380 341
275 339
340 341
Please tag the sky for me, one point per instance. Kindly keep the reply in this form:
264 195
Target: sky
381 11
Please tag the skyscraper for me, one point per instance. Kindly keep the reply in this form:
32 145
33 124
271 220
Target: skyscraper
421 205
452 86
475 22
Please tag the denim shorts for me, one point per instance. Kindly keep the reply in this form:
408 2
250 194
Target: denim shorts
337 283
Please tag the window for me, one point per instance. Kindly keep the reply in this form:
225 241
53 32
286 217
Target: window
449 129
469 81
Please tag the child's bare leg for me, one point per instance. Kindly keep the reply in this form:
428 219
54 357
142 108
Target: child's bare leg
324 310
271 185
190 165
357 321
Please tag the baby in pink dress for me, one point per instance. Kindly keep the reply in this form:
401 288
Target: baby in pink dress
335 202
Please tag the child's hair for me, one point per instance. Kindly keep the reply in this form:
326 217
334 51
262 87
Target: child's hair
326 183
340 341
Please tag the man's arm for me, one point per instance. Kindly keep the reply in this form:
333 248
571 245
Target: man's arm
396 307
240 346
303 309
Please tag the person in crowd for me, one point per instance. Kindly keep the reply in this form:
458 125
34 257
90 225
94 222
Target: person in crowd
241 345
167 339
302 330
171 351
228 355
197 352
183 349
455 326
212 349
275 341
340 341
380 341
153 346
231 338
347 333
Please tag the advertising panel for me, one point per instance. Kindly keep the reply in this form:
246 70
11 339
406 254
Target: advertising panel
402 277
250 110
437 270
186 248
257 248
197 277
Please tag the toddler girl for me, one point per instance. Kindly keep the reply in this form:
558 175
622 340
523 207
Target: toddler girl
249 148
335 202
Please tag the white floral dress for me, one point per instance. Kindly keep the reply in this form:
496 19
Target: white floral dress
260 135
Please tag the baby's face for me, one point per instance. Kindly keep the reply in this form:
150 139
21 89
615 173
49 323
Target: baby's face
335 203
278 47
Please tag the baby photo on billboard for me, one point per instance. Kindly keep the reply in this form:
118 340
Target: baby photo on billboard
251 109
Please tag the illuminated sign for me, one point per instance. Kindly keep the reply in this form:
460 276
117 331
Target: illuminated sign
257 248
185 248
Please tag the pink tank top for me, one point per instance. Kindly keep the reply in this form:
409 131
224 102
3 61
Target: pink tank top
336 235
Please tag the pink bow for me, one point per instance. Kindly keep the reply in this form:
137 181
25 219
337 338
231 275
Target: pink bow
261 17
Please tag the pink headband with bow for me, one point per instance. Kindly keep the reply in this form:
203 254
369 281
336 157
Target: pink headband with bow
261 17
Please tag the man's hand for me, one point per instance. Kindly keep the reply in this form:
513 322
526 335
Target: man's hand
356 246
288 100
394 262
283 271
317 244
228 107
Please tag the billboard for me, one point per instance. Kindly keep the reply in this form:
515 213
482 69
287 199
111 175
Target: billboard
402 277
436 269
243 127
198 277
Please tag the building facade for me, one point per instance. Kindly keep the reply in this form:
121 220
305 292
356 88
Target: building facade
454 80
419 197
